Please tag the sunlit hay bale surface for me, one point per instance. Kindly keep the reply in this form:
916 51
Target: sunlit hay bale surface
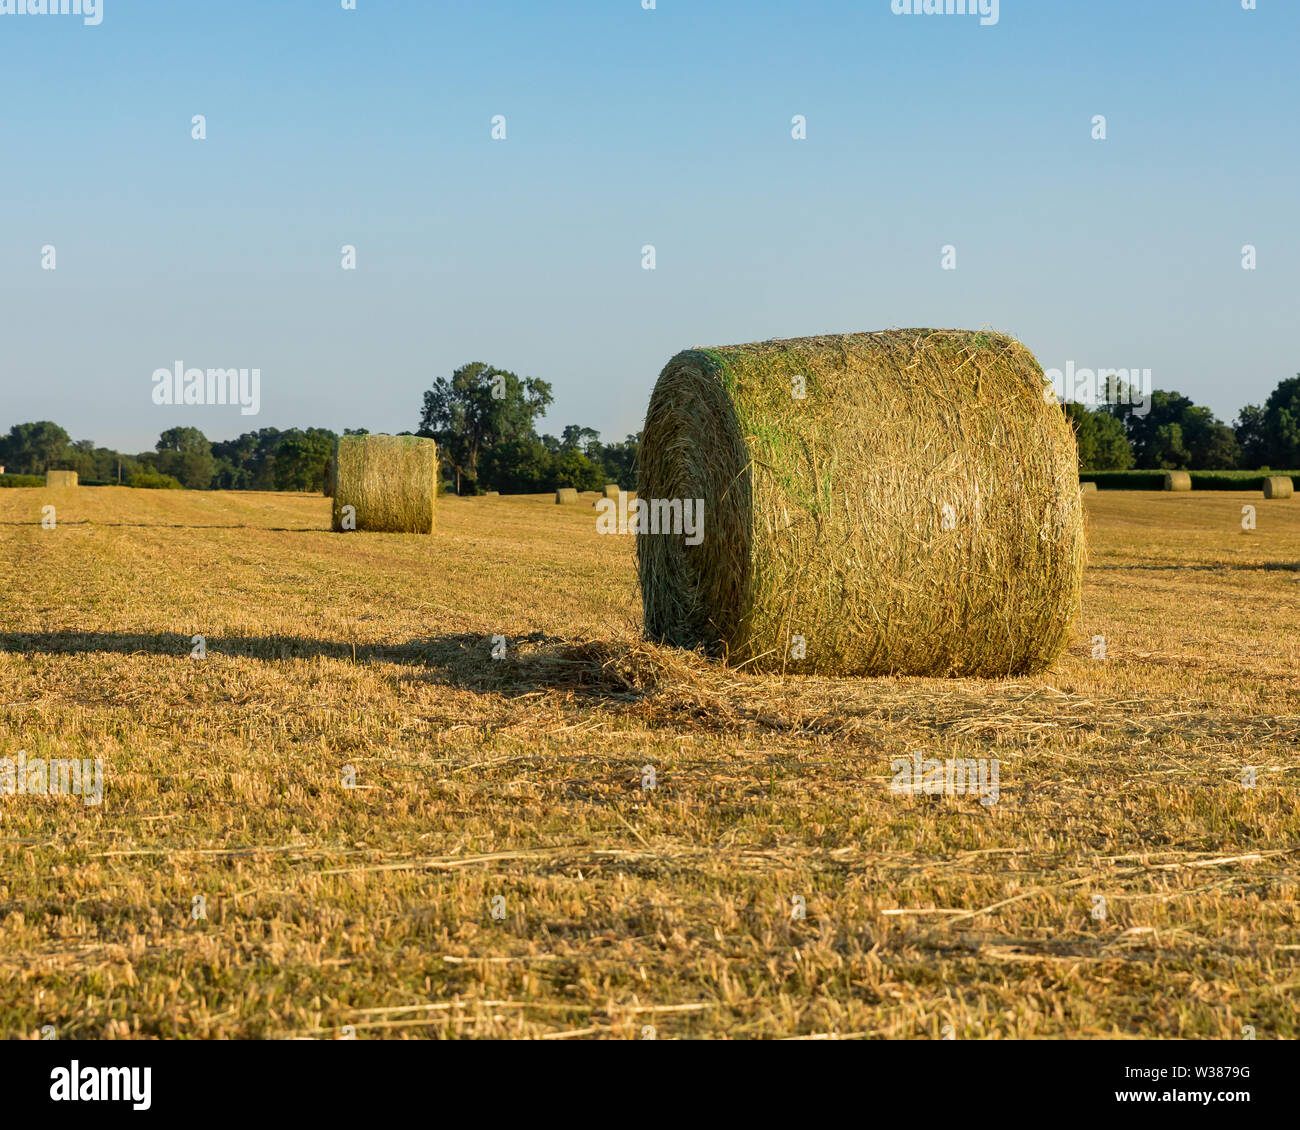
60 478
369 909
916 511
1088 488
1278 486
1178 480
611 490
392 481
565 495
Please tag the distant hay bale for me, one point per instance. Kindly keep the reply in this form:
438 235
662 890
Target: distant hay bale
1278 486
565 495
60 478
611 490
916 510
1178 480
1088 488
492 494
390 481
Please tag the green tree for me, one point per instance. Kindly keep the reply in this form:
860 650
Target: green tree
1252 437
1103 446
186 455
300 459
33 449
1282 425
478 407
1176 434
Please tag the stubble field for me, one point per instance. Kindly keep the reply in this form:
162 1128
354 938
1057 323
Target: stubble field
350 818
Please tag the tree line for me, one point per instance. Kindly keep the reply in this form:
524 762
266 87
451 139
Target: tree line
485 422
484 419
1175 434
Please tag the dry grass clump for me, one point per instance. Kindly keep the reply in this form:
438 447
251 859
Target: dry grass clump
1178 480
565 495
1278 486
391 481
60 478
916 510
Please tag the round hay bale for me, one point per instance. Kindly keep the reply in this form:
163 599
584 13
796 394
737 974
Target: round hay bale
1088 488
916 511
390 481
1279 486
492 494
611 490
60 478
1178 480
565 495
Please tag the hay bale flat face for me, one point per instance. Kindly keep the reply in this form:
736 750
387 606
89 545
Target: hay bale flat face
1178 480
565 495
492 494
1278 486
391 483
1088 488
916 510
611 490
60 478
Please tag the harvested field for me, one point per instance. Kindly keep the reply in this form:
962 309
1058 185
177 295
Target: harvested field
521 779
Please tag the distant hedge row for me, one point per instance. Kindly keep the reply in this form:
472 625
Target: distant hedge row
1201 480
145 479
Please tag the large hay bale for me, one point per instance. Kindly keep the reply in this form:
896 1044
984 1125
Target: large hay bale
1088 488
611 490
60 478
1278 486
1178 480
565 495
917 511
391 481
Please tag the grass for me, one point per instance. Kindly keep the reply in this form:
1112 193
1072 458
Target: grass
370 908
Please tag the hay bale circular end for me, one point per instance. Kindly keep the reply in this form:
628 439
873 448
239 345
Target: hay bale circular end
1279 486
611 490
900 502
1178 480
565 495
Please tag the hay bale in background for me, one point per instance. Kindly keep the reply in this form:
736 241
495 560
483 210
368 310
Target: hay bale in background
1088 488
492 494
392 481
917 511
60 478
1178 480
565 495
1278 486
611 490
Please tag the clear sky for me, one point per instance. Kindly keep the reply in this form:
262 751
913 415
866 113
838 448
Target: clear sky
627 127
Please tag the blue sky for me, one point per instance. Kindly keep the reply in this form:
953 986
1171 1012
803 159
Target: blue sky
627 127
